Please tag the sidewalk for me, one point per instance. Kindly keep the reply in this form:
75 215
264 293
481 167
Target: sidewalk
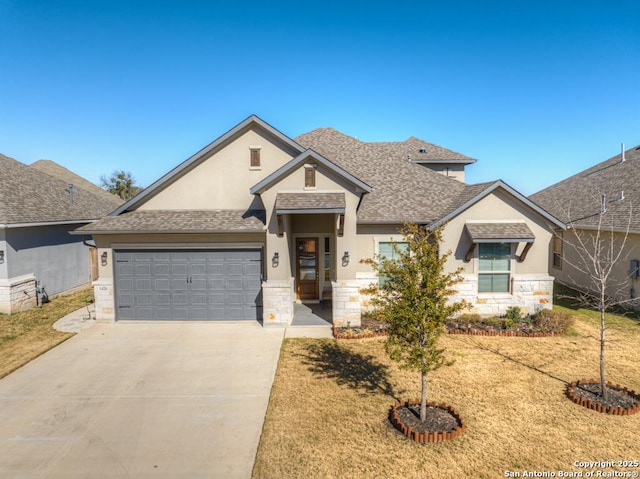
77 321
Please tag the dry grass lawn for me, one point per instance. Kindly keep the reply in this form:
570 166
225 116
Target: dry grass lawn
26 335
328 411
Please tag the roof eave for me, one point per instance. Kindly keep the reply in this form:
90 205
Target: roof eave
445 162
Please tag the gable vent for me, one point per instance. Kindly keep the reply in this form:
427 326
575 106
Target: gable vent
423 150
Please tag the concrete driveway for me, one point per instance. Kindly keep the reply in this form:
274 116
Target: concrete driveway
137 400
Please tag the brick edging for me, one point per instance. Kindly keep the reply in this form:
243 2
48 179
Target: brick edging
503 333
426 437
518 334
596 406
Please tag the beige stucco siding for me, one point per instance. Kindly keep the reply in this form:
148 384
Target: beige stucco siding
620 284
223 180
498 207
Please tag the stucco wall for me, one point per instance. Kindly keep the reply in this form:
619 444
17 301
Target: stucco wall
223 180
621 284
56 258
498 207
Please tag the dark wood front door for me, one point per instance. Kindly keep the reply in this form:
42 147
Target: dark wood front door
307 273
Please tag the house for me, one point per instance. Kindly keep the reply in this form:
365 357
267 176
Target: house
256 221
39 204
605 196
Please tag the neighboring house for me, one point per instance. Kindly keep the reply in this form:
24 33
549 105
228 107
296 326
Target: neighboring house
39 204
607 194
256 221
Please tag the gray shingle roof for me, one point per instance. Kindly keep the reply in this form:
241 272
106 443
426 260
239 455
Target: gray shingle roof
310 201
480 232
28 195
578 198
403 191
179 221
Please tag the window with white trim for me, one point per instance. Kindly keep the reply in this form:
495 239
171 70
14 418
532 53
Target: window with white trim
494 267
386 251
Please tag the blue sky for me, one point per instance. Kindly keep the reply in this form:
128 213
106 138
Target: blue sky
536 91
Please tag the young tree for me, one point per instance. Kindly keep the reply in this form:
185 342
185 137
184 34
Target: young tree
595 253
121 183
414 299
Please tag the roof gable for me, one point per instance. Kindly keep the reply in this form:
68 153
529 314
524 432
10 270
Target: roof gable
297 162
251 122
475 193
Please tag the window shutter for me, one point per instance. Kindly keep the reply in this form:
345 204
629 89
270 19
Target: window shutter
255 158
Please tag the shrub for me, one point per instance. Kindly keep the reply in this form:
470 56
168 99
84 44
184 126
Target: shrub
495 322
514 314
550 321
469 318
507 323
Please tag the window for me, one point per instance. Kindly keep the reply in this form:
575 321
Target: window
309 177
327 259
494 266
386 251
557 251
255 157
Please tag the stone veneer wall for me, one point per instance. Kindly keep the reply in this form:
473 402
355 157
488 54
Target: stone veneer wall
346 303
104 301
18 294
529 292
277 302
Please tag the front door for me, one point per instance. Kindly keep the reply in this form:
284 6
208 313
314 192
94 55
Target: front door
307 272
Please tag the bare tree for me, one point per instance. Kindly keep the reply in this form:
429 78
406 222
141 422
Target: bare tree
598 246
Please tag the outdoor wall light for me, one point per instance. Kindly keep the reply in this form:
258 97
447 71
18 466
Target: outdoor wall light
103 258
275 261
345 258
1 256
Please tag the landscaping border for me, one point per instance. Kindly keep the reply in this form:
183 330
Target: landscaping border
503 333
426 437
596 406
381 334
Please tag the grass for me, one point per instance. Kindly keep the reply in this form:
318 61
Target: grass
327 415
26 335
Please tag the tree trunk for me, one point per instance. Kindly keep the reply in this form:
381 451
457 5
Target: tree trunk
423 398
603 388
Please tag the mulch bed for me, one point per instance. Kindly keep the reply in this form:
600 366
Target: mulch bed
620 401
442 423
437 419
372 328
369 328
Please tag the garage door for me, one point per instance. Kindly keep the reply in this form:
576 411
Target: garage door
222 284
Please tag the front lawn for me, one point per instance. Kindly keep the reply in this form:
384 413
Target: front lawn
327 415
26 335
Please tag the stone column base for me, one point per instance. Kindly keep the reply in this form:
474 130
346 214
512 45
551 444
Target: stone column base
104 300
18 294
347 307
277 302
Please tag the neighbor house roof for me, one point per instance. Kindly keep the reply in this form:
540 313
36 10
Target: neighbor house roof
30 196
579 198
179 221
